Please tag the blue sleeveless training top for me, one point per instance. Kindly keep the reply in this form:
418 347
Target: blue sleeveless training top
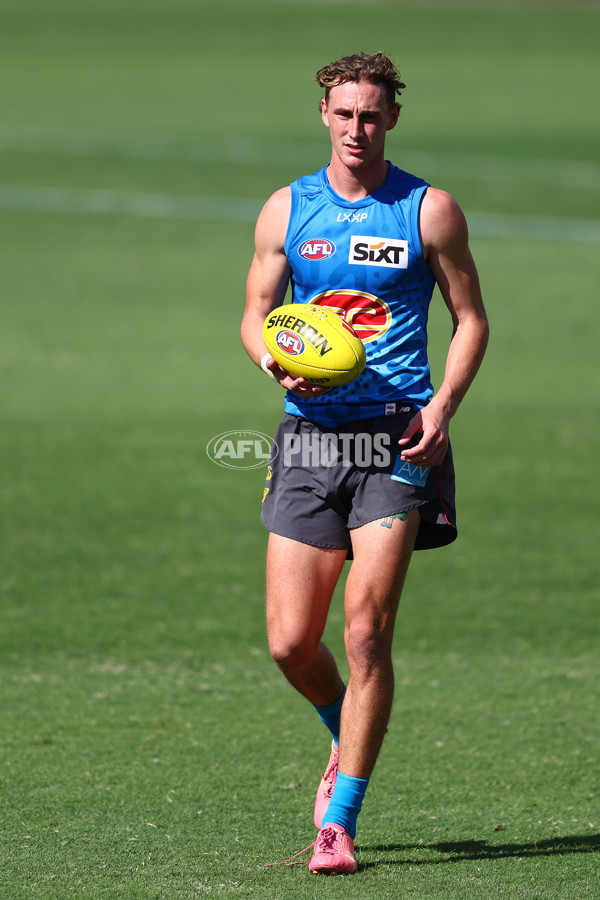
365 260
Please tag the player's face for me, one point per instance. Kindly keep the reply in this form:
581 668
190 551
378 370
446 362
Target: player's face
358 117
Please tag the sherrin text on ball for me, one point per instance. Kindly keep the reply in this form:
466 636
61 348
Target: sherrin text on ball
314 343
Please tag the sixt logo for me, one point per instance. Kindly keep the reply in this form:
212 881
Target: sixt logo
377 251
290 343
318 248
297 329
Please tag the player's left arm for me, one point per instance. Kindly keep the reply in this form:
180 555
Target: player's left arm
445 239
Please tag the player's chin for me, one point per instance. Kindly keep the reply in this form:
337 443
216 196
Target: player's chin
355 161
356 156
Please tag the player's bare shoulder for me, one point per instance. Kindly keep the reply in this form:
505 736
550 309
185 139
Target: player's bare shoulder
272 223
442 222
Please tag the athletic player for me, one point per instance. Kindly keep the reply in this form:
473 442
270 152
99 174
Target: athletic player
371 241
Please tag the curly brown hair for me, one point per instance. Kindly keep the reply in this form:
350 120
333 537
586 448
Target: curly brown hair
376 68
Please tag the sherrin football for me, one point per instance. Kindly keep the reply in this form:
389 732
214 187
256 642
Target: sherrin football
315 343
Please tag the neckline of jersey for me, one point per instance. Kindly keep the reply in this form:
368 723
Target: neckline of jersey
355 204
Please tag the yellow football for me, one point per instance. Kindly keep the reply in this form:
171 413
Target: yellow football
314 342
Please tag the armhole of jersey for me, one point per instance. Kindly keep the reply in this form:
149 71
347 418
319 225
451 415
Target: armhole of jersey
292 224
415 212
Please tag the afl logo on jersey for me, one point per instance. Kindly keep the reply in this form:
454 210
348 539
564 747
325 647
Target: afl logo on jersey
316 248
369 316
290 343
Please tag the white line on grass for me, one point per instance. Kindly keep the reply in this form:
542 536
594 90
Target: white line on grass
534 228
256 151
127 203
226 209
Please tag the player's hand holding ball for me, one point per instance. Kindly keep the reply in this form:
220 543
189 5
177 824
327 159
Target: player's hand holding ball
294 383
311 349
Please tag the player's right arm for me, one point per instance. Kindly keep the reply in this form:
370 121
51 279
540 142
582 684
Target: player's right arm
267 283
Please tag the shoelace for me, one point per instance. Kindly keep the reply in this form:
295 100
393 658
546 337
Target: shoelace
324 843
329 775
288 861
326 840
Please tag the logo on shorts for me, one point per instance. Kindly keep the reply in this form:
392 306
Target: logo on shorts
377 251
409 473
316 248
369 316
242 449
290 343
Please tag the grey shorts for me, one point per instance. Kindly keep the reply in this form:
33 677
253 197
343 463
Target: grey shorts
323 482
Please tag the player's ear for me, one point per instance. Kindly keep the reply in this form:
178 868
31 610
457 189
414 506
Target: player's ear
394 114
324 112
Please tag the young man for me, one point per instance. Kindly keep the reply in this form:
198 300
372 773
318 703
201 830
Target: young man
370 241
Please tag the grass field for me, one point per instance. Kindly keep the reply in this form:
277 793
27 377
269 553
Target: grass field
149 748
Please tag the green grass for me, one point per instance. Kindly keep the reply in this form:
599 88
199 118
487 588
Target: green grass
149 747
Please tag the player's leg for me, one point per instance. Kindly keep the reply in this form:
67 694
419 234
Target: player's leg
373 588
300 583
375 581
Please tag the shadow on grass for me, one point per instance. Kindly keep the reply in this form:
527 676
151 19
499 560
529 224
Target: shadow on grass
463 851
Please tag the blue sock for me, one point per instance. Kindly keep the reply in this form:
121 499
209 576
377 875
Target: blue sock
346 802
330 716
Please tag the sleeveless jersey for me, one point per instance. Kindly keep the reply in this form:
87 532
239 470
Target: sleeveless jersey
365 260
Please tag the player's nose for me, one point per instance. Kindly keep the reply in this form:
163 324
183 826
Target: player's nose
355 126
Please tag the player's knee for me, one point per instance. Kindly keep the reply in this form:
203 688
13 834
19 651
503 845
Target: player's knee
291 652
368 645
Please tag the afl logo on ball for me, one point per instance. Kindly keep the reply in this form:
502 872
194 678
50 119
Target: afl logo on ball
317 248
366 314
290 343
